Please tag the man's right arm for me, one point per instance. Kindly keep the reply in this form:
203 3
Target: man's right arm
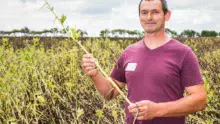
102 84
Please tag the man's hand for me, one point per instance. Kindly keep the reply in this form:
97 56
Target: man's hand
147 109
88 65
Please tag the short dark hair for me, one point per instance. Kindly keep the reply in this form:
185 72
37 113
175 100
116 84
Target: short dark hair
164 6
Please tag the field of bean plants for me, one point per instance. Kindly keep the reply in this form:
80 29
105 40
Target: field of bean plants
41 80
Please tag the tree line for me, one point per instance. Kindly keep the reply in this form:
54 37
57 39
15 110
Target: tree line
27 32
172 33
108 33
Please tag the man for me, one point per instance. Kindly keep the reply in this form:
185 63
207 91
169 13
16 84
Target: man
156 70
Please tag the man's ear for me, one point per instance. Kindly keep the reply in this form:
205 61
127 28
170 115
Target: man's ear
167 15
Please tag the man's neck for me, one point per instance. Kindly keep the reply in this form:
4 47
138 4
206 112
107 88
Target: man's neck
155 40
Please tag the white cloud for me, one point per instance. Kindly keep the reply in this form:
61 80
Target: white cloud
194 4
95 15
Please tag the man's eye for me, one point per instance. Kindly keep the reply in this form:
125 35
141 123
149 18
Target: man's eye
144 13
155 12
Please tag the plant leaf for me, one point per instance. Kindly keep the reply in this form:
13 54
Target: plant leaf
63 19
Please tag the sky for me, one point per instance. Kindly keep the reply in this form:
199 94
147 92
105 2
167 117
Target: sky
95 15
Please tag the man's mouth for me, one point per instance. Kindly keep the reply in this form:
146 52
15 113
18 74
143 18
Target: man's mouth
150 23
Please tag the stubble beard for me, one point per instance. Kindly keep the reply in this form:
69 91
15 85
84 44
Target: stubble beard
159 27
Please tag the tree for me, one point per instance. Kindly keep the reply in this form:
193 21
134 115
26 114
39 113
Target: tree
170 32
25 30
36 32
130 33
134 33
122 32
63 31
140 34
206 33
189 33
54 30
117 32
45 31
15 31
104 33
82 33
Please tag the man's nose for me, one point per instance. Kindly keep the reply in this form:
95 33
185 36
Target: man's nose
149 16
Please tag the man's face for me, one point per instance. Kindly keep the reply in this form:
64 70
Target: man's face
152 17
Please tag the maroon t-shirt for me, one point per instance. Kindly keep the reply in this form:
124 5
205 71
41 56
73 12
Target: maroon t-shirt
158 75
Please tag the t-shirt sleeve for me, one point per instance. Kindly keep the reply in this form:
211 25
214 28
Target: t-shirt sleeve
190 72
118 72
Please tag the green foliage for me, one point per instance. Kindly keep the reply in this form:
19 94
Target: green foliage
80 112
42 81
63 19
99 113
189 33
120 33
75 34
170 32
104 33
208 54
206 33
48 86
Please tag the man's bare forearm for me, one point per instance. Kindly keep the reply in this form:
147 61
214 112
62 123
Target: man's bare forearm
103 85
183 106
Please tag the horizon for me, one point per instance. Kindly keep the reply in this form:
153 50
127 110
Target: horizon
94 16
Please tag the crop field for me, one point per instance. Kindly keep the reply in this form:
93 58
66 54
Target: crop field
41 81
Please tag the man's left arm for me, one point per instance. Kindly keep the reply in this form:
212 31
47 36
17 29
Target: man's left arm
195 101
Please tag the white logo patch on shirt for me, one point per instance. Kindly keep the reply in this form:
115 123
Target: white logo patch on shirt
131 67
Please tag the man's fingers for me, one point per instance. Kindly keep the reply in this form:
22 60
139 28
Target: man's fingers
136 108
87 56
141 113
91 72
88 65
87 69
141 118
140 110
138 104
142 103
133 110
132 106
85 65
89 60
